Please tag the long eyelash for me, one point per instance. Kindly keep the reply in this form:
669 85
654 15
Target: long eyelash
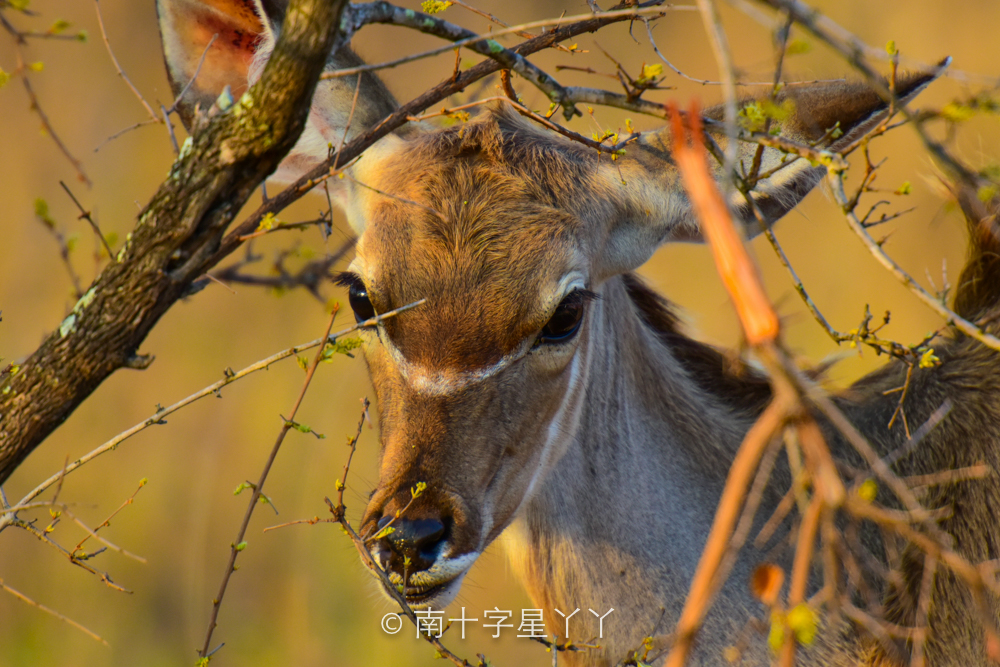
349 279
579 297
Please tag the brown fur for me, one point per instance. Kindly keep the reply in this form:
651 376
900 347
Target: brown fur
600 456
723 375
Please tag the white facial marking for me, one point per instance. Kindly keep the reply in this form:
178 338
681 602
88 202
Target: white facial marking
445 383
560 431
449 571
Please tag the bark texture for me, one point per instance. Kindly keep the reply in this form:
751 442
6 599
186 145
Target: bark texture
175 240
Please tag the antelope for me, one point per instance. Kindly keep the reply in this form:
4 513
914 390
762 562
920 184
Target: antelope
549 398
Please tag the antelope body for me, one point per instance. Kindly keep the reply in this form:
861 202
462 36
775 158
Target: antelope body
545 394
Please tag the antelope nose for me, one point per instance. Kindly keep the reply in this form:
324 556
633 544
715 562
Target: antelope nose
413 539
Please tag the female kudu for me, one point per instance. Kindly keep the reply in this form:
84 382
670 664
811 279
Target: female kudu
543 392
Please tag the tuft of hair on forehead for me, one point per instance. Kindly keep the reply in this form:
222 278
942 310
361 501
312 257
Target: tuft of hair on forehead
468 221
499 138
485 184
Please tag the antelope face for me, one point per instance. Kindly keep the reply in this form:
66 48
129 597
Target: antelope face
479 387
504 228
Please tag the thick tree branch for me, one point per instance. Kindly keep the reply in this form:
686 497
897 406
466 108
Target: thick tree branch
182 232
176 238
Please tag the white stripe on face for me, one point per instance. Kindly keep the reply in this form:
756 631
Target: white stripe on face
445 383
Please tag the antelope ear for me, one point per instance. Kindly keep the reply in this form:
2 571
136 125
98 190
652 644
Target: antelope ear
187 27
245 33
653 207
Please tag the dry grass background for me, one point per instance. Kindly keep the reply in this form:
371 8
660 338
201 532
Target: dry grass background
300 596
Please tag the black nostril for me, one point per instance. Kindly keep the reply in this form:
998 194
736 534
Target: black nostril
415 539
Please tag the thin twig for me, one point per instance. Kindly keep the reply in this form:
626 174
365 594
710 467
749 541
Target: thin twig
800 571
22 71
211 390
85 215
836 180
517 29
194 77
118 67
107 522
723 57
239 544
64 619
353 445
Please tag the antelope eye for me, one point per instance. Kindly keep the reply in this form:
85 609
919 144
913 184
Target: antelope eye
565 322
357 295
360 303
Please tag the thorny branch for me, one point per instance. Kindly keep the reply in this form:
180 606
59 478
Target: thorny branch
24 598
173 244
439 92
239 544
793 394
157 418
791 389
338 514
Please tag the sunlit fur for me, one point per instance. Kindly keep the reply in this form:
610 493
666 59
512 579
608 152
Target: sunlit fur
601 457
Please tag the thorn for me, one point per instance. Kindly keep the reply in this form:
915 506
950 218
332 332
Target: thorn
139 362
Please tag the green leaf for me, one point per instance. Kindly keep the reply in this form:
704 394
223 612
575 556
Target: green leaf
754 116
649 74
303 428
928 359
58 27
42 213
804 621
957 112
270 221
797 47
385 532
868 490
341 346
4 78
241 546
890 47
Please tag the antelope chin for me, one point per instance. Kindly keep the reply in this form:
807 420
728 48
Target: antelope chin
437 596
437 586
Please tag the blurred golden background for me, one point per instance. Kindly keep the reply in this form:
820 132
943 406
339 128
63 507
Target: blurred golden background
301 597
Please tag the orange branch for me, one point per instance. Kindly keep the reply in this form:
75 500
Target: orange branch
738 272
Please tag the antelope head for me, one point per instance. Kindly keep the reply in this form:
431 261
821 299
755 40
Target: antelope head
512 234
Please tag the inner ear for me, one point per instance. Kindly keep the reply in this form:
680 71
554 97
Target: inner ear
187 27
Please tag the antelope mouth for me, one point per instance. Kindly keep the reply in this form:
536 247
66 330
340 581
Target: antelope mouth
423 596
435 587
